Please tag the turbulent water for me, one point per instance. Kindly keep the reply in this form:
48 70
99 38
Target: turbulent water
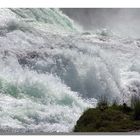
50 71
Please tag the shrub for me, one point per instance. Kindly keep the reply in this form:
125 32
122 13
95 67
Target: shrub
103 103
126 108
135 104
115 103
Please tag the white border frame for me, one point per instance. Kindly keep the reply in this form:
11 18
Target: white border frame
70 3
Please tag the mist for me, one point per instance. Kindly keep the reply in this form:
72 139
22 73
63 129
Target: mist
124 21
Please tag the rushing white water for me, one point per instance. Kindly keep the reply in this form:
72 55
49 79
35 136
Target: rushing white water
50 72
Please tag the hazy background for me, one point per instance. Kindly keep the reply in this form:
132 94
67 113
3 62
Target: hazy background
125 21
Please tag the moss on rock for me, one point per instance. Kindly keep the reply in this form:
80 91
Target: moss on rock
112 119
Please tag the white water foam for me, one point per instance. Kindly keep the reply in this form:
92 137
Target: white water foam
50 72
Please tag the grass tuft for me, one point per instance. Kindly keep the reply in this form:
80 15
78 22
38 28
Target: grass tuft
103 103
135 104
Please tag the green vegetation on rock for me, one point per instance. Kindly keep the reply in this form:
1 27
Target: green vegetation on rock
113 118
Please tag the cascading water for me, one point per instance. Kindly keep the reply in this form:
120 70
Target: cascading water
50 72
